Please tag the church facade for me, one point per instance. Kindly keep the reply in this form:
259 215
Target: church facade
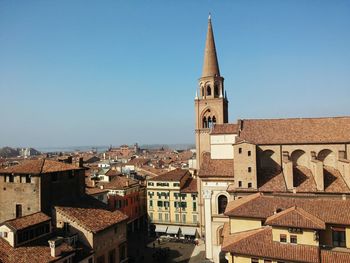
303 157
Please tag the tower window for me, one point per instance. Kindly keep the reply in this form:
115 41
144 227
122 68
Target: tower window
216 90
214 120
208 91
239 183
205 123
209 122
249 153
239 150
249 185
249 169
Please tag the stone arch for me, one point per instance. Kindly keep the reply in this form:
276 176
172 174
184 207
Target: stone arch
216 90
219 237
209 122
327 157
204 122
221 203
208 90
208 112
299 158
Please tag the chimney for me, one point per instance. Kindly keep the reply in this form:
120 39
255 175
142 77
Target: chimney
69 159
81 162
55 246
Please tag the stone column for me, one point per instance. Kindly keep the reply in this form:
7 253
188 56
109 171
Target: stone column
207 218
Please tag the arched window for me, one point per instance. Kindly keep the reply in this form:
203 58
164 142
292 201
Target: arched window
203 92
205 124
222 203
327 157
216 90
209 122
214 120
208 91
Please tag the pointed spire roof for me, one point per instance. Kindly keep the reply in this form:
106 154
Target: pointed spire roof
210 65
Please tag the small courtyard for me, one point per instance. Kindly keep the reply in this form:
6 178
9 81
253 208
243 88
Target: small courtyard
142 248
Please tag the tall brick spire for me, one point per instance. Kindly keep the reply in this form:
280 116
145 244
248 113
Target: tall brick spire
210 65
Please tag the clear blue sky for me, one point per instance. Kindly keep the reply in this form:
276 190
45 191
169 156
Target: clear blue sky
112 72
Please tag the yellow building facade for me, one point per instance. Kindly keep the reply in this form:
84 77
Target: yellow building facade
172 201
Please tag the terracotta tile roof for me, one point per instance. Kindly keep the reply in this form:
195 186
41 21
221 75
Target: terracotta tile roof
226 128
330 210
190 186
259 243
333 181
295 217
330 256
27 221
215 167
92 219
119 183
112 172
296 130
39 166
138 161
174 175
95 190
271 181
38 251
303 180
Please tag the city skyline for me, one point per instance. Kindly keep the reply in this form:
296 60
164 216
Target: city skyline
90 74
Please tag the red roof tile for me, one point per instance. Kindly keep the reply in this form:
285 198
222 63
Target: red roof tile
330 210
215 167
259 243
92 219
190 186
174 175
296 130
39 166
119 183
295 217
226 128
27 221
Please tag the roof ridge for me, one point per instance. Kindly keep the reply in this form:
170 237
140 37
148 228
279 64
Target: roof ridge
296 118
42 166
308 215
246 199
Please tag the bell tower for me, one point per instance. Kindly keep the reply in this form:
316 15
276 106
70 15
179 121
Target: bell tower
210 102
